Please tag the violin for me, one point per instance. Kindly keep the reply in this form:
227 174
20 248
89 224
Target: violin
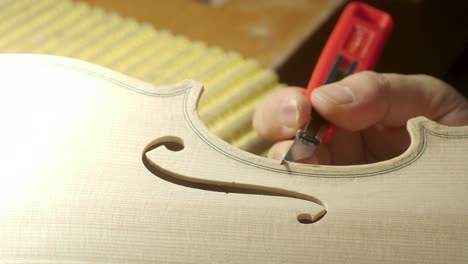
102 168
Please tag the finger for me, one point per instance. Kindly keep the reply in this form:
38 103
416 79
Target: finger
281 114
278 151
368 98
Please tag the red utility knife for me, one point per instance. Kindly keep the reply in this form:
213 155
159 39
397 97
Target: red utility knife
354 45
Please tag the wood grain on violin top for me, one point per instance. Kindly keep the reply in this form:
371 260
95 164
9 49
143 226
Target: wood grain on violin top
98 167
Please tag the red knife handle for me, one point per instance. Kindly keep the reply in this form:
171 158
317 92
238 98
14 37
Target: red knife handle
354 45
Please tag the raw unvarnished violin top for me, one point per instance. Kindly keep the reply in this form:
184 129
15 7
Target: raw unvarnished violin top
102 168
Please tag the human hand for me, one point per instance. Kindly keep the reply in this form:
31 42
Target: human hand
370 111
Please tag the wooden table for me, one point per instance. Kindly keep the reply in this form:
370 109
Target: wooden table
270 31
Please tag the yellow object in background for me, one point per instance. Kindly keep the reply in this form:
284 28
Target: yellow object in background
233 85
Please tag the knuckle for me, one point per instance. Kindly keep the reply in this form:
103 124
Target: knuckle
433 82
377 80
425 77
371 86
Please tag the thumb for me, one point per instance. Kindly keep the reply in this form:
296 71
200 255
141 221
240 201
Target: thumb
367 98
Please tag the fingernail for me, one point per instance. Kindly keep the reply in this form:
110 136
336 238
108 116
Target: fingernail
335 94
275 154
289 112
279 150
